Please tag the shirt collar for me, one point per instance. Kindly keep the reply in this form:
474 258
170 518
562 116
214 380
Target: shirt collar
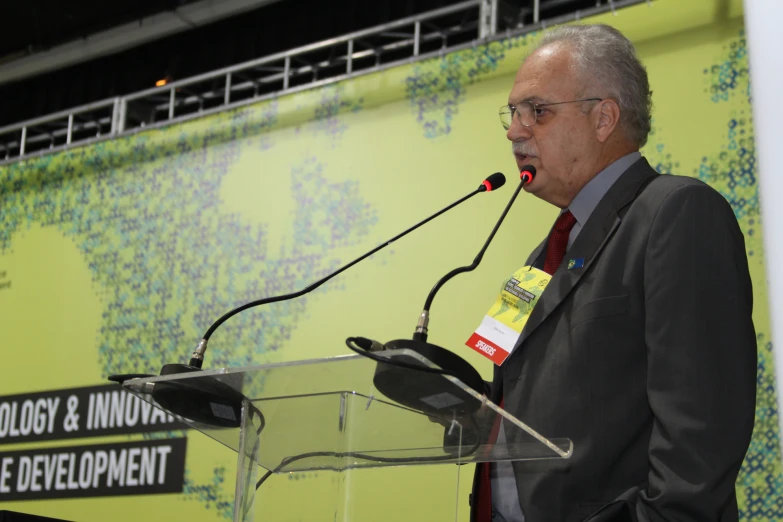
591 194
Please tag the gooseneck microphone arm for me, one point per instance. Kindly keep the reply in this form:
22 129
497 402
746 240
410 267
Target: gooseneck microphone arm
420 334
492 182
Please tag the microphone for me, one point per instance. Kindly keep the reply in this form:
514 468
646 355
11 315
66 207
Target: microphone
394 380
492 182
526 176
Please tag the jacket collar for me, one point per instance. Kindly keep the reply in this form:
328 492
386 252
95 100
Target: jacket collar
588 245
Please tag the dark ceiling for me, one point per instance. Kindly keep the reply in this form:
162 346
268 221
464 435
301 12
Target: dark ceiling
37 25
34 25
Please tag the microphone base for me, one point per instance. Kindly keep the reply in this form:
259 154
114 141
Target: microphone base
175 368
204 400
425 391
207 401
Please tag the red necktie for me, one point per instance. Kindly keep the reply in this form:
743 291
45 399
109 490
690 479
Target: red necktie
484 490
555 251
558 241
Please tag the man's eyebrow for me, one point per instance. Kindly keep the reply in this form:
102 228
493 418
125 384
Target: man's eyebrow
532 99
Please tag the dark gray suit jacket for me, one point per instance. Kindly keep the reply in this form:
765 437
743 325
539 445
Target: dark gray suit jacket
645 358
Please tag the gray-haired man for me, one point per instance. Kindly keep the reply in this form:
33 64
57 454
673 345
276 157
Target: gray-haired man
642 350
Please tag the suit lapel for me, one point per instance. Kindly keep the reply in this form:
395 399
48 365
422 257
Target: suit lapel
534 258
588 245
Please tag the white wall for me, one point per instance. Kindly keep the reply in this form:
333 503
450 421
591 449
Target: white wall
764 29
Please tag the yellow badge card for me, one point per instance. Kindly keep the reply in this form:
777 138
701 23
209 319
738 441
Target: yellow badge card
498 332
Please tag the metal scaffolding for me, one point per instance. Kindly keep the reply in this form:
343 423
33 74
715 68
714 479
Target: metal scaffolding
419 37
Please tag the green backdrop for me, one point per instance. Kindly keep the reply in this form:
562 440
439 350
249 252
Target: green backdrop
116 256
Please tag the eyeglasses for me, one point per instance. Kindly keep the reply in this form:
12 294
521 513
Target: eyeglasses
528 112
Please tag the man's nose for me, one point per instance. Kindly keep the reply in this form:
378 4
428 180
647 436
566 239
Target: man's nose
517 131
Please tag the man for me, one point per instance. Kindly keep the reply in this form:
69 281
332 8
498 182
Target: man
641 349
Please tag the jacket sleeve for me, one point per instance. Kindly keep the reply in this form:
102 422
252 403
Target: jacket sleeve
701 358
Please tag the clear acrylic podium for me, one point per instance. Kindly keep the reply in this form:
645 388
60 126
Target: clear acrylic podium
328 414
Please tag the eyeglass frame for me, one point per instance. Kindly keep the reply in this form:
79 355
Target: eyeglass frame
536 106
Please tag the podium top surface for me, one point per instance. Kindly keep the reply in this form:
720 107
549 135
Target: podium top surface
347 412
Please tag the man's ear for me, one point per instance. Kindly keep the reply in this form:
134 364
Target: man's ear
608 118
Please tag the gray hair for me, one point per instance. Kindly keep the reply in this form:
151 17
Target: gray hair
607 59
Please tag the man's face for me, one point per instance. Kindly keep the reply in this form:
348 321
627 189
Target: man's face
562 144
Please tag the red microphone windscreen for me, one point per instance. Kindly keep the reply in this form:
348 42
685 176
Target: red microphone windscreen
527 173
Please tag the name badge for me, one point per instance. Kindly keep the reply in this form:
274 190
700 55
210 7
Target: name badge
498 332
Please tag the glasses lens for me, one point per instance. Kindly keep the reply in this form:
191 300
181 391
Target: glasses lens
505 116
526 114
